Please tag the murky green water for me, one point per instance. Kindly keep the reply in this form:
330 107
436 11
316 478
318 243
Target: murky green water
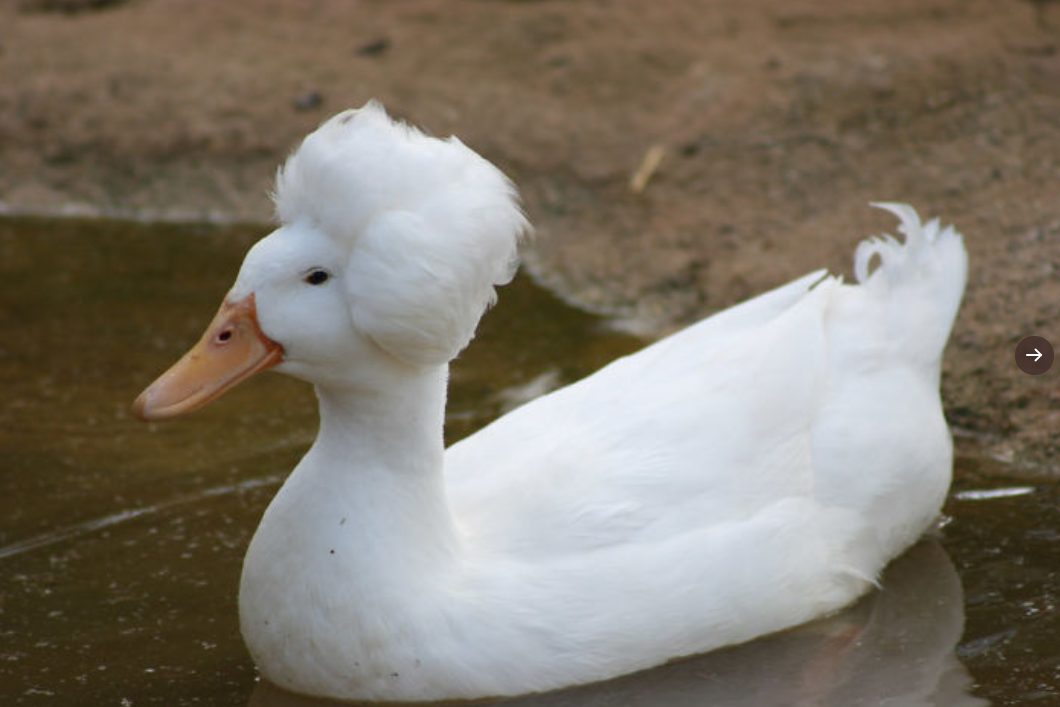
121 542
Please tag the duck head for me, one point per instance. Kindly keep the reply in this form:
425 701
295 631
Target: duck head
389 247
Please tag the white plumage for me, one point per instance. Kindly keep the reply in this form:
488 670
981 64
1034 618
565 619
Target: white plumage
430 227
747 474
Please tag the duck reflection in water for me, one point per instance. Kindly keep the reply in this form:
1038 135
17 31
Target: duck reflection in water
894 647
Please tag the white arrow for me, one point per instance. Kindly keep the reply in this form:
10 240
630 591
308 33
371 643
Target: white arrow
1036 355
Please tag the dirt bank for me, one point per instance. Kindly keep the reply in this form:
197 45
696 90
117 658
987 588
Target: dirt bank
777 120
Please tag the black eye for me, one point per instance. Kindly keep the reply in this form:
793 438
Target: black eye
317 277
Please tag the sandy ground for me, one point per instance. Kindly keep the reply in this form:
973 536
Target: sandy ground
776 122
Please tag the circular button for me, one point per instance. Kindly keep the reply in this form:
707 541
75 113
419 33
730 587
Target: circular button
1034 355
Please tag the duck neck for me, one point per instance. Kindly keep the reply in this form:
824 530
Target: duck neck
381 449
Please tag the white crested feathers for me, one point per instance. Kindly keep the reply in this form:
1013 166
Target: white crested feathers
431 227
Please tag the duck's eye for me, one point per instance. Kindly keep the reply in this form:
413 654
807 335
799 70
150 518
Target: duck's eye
317 277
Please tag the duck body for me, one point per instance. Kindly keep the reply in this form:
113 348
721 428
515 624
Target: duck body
744 475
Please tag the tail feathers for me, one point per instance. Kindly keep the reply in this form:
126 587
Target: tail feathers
922 278
921 242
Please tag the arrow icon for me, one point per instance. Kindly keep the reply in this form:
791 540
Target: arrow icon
1040 352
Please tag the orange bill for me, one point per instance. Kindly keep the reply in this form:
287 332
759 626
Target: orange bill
232 349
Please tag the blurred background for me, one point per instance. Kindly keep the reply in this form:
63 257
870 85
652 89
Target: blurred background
675 157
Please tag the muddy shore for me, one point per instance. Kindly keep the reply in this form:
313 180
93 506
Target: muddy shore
776 122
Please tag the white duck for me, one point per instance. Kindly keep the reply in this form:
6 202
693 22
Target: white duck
747 474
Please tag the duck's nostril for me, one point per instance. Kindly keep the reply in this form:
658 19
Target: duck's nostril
224 336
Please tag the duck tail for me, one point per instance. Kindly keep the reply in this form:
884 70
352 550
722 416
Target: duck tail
922 279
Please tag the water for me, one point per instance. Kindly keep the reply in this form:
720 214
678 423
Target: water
121 542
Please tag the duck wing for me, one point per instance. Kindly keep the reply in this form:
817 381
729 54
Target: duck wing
708 426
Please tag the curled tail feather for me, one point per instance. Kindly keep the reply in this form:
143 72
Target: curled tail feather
895 256
921 278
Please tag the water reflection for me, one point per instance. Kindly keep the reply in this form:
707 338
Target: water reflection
121 544
895 647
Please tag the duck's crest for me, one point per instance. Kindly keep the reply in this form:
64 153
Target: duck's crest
431 227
